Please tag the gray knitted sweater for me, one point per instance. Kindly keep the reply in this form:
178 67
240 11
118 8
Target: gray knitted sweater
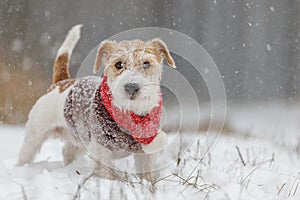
88 118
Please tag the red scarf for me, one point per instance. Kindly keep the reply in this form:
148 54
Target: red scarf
143 129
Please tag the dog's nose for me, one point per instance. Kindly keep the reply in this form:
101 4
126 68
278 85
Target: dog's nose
131 88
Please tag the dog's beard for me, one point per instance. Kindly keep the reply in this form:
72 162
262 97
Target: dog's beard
144 100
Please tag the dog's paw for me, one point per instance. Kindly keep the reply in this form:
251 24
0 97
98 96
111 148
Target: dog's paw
159 142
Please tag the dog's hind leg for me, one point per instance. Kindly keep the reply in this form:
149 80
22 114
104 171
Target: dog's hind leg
31 145
70 152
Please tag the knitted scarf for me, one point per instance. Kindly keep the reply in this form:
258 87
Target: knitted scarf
142 128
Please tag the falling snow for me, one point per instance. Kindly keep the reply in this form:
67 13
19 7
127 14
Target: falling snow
255 47
268 47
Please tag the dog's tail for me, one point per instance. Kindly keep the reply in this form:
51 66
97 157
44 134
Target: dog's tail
61 64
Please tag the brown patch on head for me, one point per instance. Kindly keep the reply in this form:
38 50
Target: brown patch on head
62 85
146 57
60 69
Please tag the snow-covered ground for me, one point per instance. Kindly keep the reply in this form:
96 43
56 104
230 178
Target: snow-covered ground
260 161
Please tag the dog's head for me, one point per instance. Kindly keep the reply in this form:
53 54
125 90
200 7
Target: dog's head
133 69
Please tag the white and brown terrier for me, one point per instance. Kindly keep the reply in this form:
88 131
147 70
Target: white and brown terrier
119 113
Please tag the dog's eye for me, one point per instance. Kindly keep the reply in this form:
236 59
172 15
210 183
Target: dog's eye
119 65
146 65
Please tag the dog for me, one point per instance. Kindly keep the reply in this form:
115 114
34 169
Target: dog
118 114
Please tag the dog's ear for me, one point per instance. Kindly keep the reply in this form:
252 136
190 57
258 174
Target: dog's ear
158 43
103 50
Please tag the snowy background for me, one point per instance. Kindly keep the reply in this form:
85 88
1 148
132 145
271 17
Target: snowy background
255 45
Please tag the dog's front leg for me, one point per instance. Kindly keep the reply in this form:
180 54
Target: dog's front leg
102 158
145 166
145 163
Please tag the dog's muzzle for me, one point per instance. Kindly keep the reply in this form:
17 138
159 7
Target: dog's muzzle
131 89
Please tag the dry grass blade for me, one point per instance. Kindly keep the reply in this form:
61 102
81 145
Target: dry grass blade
197 165
79 186
245 178
161 179
281 188
187 181
296 189
240 155
205 154
23 192
272 160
